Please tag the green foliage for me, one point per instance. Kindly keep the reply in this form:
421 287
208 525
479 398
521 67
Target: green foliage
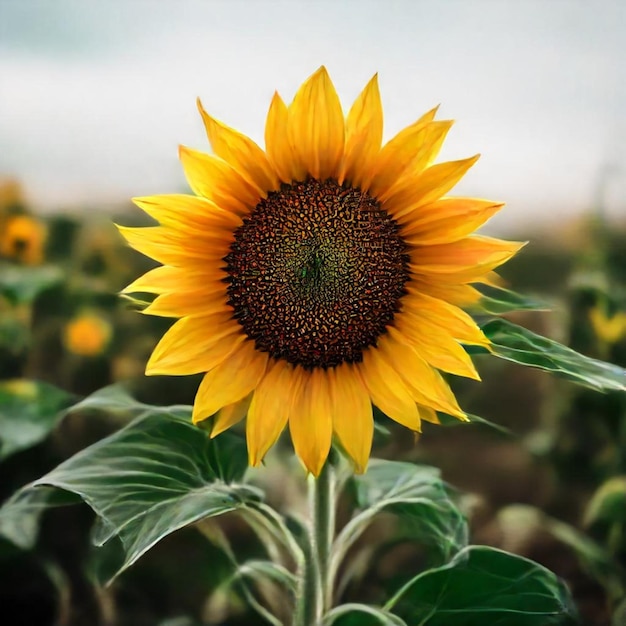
161 473
468 585
361 615
20 516
419 498
517 344
154 476
28 412
608 503
482 585
21 284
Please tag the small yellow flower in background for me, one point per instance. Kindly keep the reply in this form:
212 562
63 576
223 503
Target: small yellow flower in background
319 276
22 239
608 329
19 387
87 334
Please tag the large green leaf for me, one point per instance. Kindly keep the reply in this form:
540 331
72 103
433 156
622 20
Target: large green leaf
115 400
419 497
481 586
361 615
154 476
29 410
21 284
419 500
517 344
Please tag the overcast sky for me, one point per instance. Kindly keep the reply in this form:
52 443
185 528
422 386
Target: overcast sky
96 96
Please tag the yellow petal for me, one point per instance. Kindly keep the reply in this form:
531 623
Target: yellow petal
426 187
177 280
353 422
446 220
195 344
269 409
316 126
311 423
387 390
214 179
170 248
425 384
364 133
229 415
442 317
230 381
477 253
158 280
143 240
439 349
211 298
169 279
493 279
428 414
279 150
393 158
419 151
190 212
240 152
459 295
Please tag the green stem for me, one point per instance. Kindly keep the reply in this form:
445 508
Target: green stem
308 599
322 493
315 592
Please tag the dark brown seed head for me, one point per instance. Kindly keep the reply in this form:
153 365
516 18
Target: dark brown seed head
316 272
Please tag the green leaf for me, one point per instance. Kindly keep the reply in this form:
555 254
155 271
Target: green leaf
481 586
517 344
19 518
154 476
21 284
361 615
419 497
116 400
608 503
29 410
497 300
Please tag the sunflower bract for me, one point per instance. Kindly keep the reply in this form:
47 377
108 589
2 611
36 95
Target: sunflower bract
319 276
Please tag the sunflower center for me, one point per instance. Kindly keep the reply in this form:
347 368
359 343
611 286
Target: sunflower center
316 272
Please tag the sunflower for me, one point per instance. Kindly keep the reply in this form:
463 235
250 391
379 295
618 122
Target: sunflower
609 329
87 334
22 239
320 276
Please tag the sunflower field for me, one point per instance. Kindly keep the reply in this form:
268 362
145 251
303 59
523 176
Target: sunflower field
305 391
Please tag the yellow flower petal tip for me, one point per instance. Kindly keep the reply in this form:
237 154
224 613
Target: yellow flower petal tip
320 276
